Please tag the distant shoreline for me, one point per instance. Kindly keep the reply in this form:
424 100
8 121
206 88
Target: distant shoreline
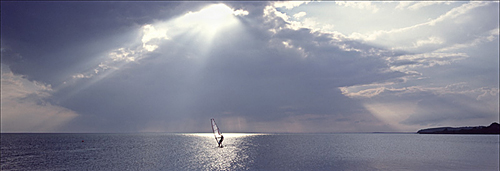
494 128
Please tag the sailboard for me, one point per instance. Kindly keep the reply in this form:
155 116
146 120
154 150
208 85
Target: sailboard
216 130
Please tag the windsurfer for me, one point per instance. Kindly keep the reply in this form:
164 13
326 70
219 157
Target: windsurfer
220 141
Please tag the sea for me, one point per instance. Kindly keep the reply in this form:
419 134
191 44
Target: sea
240 151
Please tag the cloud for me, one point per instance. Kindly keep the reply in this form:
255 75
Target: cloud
437 58
280 20
150 39
454 108
430 41
403 4
240 12
151 33
289 4
289 80
486 37
405 63
269 67
203 23
419 5
359 5
299 15
456 12
440 32
419 106
25 107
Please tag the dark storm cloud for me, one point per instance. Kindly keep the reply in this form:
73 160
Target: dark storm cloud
57 37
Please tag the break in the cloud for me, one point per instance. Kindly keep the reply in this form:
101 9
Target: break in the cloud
254 66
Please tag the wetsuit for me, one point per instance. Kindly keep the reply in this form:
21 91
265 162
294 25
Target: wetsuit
221 139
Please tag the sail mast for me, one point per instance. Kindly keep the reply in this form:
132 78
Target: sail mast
215 129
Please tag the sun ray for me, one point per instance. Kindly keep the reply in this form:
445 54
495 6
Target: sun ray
195 31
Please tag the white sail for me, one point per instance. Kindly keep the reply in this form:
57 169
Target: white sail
216 130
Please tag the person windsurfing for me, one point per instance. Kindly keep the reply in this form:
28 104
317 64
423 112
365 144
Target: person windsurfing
217 134
220 141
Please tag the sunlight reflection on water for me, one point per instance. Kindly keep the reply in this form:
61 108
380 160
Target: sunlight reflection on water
229 157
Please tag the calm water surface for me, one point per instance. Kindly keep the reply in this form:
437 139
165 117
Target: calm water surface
155 151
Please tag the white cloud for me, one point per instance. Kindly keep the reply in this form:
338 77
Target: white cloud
363 93
240 12
403 4
458 11
487 94
25 108
289 4
359 5
489 37
296 22
463 88
77 76
433 40
209 19
402 38
151 33
422 4
434 99
299 15
371 90
405 63
127 55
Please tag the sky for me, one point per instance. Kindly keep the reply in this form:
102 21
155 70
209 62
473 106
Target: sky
258 66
